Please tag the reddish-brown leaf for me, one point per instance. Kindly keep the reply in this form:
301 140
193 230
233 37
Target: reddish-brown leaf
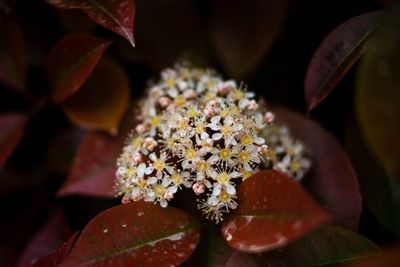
325 246
13 62
12 128
102 101
336 55
243 31
71 62
390 258
136 234
273 210
93 170
117 15
332 180
49 237
57 256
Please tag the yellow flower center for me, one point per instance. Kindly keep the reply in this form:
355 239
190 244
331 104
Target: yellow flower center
177 179
223 178
142 184
226 130
180 100
237 94
159 190
171 82
170 143
159 164
155 121
137 142
182 124
211 84
246 174
224 197
202 165
200 129
211 95
190 154
246 140
225 154
244 157
131 171
192 112
294 166
224 113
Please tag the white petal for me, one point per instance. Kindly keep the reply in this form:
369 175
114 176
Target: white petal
152 180
215 119
153 156
259 141
230 189
234 174
217 190
163 203
173 189
141 170
172 92
213 201
217 136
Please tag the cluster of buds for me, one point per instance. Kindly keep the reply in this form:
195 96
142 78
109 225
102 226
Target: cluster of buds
196 131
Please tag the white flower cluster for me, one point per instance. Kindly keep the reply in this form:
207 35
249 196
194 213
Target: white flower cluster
196 131
286 154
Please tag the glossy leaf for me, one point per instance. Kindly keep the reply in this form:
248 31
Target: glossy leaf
273 210
332 180
12 128
117 16
103 99
71 62
162 37
139 233
243 31
57 256
380 192
378 95
337 53
13 59
325 246
93 170
54 232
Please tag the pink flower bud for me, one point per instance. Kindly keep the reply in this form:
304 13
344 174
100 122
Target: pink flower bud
269 117
263 150
164 101
189 94
168 195
141 128
198 188
137 157
126 199
252 105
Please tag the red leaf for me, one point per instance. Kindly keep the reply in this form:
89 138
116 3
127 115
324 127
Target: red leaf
93 170
102 101
13 62
57 256
390 258
243 31
273 210
117 16
71 62
49 237
325 246
333 181
136 234
12 128
337 53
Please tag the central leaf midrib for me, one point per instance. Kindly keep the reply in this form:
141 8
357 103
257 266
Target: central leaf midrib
142 244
